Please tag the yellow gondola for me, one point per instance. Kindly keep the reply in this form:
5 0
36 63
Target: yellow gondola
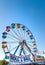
33 44
18 25
4 46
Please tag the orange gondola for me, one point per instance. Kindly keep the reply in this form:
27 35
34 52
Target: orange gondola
4 46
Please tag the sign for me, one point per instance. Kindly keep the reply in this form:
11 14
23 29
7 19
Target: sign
14 58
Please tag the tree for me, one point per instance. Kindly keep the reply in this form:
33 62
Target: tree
4 62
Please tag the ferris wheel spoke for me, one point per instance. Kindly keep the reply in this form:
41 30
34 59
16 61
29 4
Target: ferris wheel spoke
28 48
13 48
19 33
29 43
13 36
27 37
33 44
12 42
23 34
16 49
16 34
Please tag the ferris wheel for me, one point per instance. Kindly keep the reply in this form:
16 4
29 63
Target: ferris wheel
18 42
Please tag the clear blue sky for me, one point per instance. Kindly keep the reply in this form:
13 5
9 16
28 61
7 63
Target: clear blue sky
28 12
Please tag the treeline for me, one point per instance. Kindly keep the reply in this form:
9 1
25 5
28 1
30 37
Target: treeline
3 62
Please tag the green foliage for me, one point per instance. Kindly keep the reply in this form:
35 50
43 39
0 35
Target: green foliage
3 62
0 62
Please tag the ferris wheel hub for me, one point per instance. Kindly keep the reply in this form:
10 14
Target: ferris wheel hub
22 42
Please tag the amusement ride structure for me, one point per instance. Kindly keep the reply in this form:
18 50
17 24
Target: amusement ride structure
18 44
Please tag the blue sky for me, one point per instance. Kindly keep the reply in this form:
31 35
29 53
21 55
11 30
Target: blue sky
28 12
